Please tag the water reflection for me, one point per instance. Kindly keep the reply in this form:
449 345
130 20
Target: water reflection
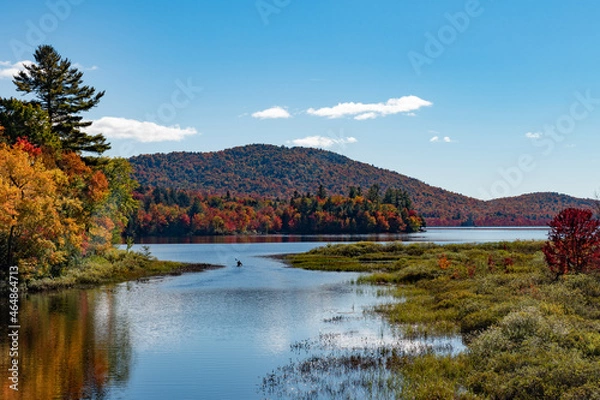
211 335
236 239
72 346
437 235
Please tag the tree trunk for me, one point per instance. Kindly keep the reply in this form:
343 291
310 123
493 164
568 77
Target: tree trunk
9 256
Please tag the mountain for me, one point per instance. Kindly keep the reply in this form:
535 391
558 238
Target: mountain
275 171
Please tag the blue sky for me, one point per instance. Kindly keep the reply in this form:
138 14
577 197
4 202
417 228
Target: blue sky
482 97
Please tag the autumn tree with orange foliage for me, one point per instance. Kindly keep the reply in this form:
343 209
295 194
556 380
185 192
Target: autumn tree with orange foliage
53 215
55 205
169 212
37 230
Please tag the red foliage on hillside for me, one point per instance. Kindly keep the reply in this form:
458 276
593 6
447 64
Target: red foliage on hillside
274 171
170 212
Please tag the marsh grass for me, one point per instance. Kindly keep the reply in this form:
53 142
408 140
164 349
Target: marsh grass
529 336
329 263
116 266
360 375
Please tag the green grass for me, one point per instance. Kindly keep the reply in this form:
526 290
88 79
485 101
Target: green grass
113 267
529 336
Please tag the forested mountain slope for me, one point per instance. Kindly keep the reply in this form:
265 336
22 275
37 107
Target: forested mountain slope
278 171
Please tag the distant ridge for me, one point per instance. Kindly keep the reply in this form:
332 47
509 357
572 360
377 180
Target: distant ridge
277 171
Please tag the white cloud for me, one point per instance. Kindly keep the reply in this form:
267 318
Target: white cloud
272 113
122 128
404 104
323 141
437 139
369 115
8 70
82 68
533 135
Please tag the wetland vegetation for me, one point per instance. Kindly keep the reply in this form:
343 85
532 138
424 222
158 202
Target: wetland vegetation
528 334
113 267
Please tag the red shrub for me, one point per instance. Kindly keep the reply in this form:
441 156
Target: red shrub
443 262
25 145
574 242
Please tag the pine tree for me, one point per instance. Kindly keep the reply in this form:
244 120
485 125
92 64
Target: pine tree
27 121
321 192
390 196
353 192
59 90
373 194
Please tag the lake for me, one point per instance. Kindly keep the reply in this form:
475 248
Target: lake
219 334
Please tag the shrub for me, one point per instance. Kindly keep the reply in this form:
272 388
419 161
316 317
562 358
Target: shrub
574 242
416 273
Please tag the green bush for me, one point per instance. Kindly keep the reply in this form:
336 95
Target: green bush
416 273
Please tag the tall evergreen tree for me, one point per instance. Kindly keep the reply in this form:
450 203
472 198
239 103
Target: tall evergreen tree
28 121
390 196
321 192
373 194
59 90
353 192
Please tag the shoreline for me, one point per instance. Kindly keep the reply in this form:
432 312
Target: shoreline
92 276
501 298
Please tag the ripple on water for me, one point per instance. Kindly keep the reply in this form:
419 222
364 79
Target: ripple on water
351 359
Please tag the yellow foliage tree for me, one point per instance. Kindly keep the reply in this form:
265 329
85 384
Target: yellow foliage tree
38 229
91 187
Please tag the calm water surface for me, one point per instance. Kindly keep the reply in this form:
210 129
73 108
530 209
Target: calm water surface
210 335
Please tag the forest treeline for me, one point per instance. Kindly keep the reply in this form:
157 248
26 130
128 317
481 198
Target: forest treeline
277 171
174 212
